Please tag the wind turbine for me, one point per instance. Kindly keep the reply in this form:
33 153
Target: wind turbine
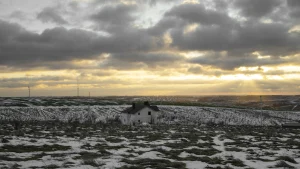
77 88
261 104
28 76
28 91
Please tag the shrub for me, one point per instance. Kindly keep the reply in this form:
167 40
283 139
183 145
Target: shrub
91 162
283 164
287 158
88 155
233 149
4 140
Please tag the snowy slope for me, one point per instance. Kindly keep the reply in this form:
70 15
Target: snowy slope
169 114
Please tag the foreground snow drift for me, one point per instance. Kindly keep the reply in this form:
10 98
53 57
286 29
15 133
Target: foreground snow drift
169 114
61 145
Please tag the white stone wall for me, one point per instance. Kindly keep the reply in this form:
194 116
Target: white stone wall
125 118
140 117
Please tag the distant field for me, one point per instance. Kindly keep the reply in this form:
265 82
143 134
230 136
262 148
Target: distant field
74 145
282 103
168 115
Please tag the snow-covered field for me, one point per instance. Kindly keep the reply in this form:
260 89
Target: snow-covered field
168 115
74 145
186 137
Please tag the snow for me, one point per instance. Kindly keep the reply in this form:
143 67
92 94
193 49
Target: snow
195 164
122 151
140 136
246 137
118 144
151 155
201 141
166 148
111 163
219 144
169 114
142 149
184 154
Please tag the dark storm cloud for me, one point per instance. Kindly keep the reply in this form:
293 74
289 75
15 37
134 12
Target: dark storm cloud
227 61
256 8
20 47
294 6
51 14
114 16
217 32
295 13
197 13
163 25
293 3
118 21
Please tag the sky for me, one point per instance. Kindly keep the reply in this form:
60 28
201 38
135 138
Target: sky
149 47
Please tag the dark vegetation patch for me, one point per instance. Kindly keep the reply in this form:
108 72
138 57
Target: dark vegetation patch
287 158
153 163
207 152
51 166
91 162
33 157
235 162
84 155
258 159
284 165
208 160
218 167
114 139
233 149
31 148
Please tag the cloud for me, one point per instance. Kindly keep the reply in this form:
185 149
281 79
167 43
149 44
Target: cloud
114 16
51 14
294 9
32 81
195 70
229 61
293 3
18 15
197 13
22 48
164 25
74 5
220 32
256 8
217 31
141 60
